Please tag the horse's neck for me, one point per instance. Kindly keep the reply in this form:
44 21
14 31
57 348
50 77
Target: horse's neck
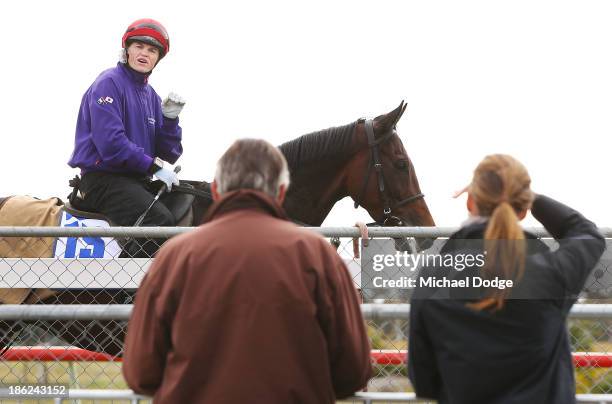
312 194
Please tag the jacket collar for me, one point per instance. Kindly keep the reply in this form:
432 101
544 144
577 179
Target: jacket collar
245 199
133 75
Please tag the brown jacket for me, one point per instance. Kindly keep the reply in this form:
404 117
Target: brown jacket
248 308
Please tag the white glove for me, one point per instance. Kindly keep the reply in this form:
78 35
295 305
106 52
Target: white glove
172 106
169 177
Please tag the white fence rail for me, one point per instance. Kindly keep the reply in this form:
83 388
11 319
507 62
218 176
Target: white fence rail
426 232
122 312
365 397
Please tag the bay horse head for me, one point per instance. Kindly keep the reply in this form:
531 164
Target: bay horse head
365 160
388 188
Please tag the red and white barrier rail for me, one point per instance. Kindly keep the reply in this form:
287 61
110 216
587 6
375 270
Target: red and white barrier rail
581 359
379 356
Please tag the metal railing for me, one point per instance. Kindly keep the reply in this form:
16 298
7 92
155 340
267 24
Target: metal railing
375 232
361 397
122 312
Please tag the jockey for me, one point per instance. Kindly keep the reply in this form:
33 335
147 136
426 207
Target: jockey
124 132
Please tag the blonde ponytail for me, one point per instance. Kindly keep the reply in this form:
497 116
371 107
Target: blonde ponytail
501 190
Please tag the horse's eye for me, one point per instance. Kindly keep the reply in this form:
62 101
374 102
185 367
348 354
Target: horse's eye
401 165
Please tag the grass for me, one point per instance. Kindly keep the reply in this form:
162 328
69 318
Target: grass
81 375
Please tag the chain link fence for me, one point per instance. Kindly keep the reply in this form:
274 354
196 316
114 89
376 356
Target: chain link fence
85 268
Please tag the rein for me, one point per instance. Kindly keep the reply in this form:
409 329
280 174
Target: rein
193 191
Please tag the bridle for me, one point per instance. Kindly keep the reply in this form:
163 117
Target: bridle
374 163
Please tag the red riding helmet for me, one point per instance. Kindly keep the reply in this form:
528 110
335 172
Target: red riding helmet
148 31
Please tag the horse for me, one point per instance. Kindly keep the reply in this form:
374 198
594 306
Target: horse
365 160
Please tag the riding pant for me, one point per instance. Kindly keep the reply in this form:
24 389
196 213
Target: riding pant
123 198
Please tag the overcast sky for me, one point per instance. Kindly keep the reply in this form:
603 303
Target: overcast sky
528 78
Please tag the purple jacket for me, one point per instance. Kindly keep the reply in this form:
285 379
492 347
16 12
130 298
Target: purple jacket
121 128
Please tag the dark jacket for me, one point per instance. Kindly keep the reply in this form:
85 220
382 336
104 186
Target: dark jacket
520 354
248 308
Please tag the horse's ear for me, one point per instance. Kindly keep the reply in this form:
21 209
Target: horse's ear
388 121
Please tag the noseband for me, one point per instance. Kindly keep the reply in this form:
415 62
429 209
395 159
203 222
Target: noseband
374 163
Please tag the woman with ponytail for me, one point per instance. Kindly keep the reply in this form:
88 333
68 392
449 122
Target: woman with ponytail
502 345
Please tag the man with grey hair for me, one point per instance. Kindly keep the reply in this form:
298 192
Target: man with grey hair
252 164
248 307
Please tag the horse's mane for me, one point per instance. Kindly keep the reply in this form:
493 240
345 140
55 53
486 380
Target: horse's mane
329 143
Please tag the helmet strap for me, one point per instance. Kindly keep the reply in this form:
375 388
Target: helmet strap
123 58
